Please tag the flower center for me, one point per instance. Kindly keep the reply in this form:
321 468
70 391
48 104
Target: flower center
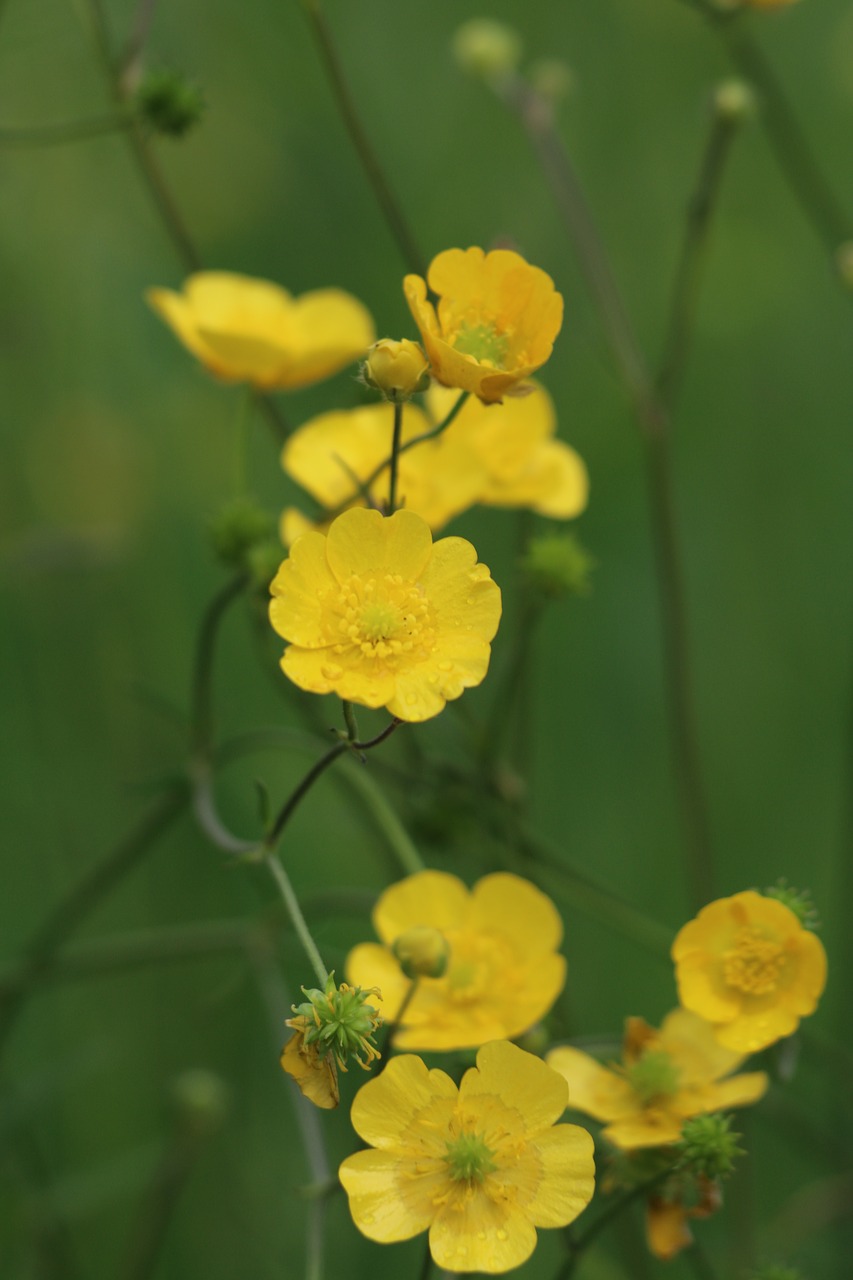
469 1159
484 342
654 1075
754 963
383 616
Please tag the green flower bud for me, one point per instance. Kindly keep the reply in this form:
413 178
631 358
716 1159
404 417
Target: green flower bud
200 1099
168 103
240 526
340 1022
422 952
708 1145
556 564
797 900
486 49
734 101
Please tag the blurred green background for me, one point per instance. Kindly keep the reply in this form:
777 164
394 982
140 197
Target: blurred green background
117 450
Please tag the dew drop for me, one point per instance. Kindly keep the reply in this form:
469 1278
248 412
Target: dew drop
411 699
502 1235
445 666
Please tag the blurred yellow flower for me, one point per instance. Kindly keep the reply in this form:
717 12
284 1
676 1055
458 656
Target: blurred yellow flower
504 971
667 1232
496 321
665 1077
747 966
480 1166
377 613
499 455
248 330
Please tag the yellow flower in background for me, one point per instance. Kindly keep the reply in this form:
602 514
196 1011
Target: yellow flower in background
665 1077
504 971
519 461
377 613
496 320
330 455
747 966
500 455
667 1232
480 1166
248 330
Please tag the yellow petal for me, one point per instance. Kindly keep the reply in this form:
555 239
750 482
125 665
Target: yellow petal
506 904
406 1094
738 1091
479 1234
807 988
701 988
369 965
298 590
416 699
324 671
651 1127
667 1232
593 1089
691 1044
331 329
464 596
251 359
316 1077
174 309
523 1083
756 1027
385 1201
365 542
427 897
567 1176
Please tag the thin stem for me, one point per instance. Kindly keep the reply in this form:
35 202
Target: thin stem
132 60
245 405
653 419
685 288
70 912
399 840
499 719
294 800
160 1202
426 1265
829 218
282 879
50 135
388 203
579 1244
432 434
202 703
395 457
392 1026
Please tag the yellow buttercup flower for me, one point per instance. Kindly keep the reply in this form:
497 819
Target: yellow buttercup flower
480 1166
748 967
667 1232
316 1074
377 613
330 455
504 971
397 369
496 320
498 455
665 1077
248 330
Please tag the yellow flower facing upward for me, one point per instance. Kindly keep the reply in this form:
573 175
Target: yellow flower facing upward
248 330
747 966
480 1166
665 1077
377 613
495 323
502 455
503 972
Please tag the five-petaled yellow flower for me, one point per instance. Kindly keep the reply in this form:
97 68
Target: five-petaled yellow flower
747 965
665 1077
496 320
377 613
248 330
500 455
504 971
480 1166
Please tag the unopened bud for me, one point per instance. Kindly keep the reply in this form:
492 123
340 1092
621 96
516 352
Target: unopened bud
201 1101
486 49
734 101
240 526
556 564
397 369
709 1147
169 103
422 952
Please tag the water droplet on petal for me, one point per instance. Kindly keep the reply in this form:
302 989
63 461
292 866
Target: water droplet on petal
502 1235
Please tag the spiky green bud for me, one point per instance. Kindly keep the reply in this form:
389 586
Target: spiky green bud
168 103
339 1021
708 1145
556 564
797 900
239 527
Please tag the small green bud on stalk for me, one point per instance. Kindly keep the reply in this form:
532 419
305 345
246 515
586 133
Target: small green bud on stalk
486 49
556 564
734 102
168 103
422 952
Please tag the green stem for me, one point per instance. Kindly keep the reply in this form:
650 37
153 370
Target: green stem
50 135
399 840
296 797
201 733
388 203
578 1245
683 305
291 902
395 457
432 434
245 406
788 143
505 699
66 917
391 1027
159 1204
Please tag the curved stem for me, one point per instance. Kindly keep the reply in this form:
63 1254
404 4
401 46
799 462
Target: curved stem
388 203
201 732
296 797
282 880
